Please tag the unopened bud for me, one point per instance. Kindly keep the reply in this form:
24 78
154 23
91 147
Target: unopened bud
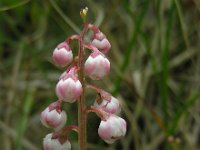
53 118
50 143
97 66
62 55
101 42
111 106
69 88
112 129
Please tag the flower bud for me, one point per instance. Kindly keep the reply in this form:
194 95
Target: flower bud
52 118
69 88
112 129
97 66
50 143
62 55
109 105
101 42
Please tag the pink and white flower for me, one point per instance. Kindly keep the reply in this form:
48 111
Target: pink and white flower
50 143
53 118
101 42
97 66
62 55
69 88
112 129
111 105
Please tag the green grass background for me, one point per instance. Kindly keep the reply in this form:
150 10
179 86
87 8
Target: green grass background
155 71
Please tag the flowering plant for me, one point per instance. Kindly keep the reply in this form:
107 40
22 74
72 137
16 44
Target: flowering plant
72 87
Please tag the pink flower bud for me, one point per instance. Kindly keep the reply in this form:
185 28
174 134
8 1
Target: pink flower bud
101 42
62 55
112 129
50 143
109 105
53 118
69 88
97 66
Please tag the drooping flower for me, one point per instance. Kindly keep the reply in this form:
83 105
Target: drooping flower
97 66
101 42
69 88
50 143
53 116
62 54
112 129
110 105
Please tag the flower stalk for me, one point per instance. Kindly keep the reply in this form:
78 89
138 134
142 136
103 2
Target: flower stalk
82 116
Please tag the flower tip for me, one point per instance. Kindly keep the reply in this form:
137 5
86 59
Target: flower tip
83 12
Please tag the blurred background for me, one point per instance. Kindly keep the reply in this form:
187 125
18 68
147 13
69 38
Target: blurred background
155 71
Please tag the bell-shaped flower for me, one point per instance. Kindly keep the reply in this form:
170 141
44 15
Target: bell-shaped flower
53 116
110 105
101 42
51 143
97 66
69 88
62 54
112 129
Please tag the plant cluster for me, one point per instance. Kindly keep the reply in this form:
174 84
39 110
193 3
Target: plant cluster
72 87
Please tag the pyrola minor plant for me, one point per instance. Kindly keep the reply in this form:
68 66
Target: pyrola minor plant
72 87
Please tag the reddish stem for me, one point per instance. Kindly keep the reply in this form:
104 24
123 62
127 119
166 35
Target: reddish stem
67 129
100 113
82 116
94 88
64 131
103 94
62 135
72 37
91 47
